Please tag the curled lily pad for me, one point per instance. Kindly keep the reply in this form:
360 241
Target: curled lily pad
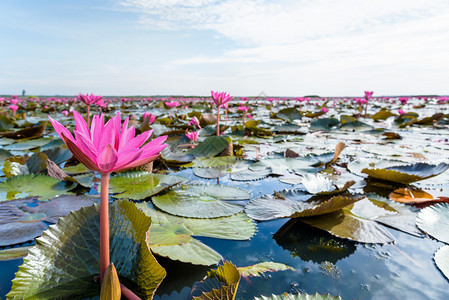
435 220
351 223
214 162
442 260
227 278
66 258
408 173
141 185
202 201
23 186
270 207
210 147
173 236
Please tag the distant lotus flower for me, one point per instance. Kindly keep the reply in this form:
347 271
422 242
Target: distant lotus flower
193 136
324 109
243 108
89 100
220 99
195 122
107 148
151 118
403 100
401 112
14 108
318 183
249 116
172 104
65 113
14 101
368 94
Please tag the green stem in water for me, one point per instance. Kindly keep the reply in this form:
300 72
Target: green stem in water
218 121
104 224
88 116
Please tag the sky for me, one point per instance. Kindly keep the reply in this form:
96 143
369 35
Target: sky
190 47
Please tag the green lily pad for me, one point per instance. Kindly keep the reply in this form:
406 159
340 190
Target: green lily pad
140 185
282 166
434 220
289 114
210 173
173 236
261 268
4 154
210 147
408 173
74 170
248 175
202 201
383 114
214 162
270 207
66 258
324 124
23 186
14 253
350 223
29 144
315 296
22 220
442 260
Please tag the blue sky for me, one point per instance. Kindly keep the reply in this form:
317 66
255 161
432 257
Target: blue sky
175 47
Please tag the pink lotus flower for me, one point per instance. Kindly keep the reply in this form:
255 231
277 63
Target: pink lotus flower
243 108
65 113
151 118
193 136
89 99
195 122
220 98
107 148
401 112
324 109
403 100
368 94
172 104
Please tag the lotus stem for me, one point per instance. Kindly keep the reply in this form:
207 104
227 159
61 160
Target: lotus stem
88 116
104 224
218 121
128 294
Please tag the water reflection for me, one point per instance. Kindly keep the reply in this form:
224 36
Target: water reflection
313 244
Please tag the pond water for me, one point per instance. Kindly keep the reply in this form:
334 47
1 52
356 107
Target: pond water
323 263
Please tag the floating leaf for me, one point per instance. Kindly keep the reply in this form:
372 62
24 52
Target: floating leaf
74 170
442 260
202 201
140 185
408 173
21 220
347 223
66 258
14 253
286 296
248 175
289 114
383 114
270 208
23 186
29 144
258 269
410 195
210 147
173 236
434 220
228 278
210 173
324 124
214 162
